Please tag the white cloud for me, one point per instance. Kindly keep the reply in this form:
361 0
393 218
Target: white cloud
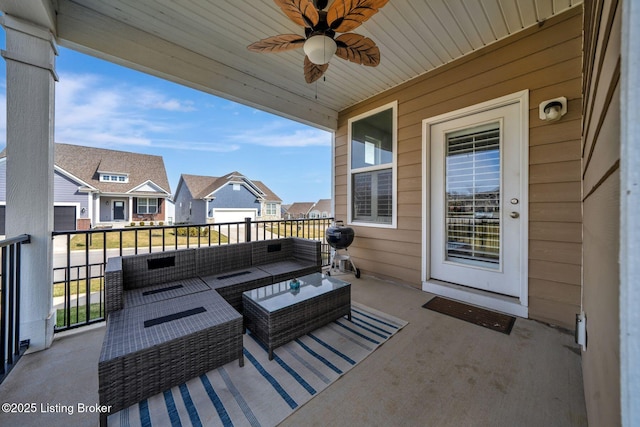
281 134
196 146
92 111
151 99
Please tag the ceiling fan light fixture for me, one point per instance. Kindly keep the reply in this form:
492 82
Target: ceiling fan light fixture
320 48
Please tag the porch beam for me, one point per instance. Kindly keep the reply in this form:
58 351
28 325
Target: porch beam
30 59
92 33
39 12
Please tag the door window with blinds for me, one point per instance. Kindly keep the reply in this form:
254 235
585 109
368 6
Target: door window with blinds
372 155
473 188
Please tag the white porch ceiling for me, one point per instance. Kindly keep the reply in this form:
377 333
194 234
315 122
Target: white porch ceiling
202 43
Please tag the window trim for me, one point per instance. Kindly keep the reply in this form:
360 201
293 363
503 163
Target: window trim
271 204
394 166
114 177
147 205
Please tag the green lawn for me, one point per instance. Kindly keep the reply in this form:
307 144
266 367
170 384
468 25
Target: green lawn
306 231
112 238
77 287
81 312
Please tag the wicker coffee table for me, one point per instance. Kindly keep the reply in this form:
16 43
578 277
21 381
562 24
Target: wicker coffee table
277 314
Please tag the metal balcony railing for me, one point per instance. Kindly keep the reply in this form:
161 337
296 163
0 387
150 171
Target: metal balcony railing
11 347
80 257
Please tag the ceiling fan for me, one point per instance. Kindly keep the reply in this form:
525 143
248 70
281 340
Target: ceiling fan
320 28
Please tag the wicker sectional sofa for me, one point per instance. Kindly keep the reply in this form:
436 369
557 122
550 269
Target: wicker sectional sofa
172 316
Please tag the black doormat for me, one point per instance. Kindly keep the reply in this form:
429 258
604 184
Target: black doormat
489 319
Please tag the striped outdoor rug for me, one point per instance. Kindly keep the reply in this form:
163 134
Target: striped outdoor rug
264 392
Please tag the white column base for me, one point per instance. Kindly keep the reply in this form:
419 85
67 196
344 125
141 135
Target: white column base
39 332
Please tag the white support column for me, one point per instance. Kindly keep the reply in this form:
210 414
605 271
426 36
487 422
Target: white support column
629 221
130 205
30 58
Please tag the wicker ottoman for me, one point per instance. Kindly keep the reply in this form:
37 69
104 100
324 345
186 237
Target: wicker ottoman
277 314
152 347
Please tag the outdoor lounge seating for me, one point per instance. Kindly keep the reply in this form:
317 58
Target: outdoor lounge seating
172 316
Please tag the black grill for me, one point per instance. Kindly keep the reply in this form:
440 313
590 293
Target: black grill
339 238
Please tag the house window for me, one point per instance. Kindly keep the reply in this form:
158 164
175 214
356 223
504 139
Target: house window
147 206
114 178
271 208
372 167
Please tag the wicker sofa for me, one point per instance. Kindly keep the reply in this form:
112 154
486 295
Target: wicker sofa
172 316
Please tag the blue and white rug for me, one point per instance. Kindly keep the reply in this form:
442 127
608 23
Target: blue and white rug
264 392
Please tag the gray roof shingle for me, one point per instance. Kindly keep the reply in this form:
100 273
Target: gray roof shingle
201 186
86 163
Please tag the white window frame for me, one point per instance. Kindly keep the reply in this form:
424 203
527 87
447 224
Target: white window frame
110 177
269 206
394 166
147 199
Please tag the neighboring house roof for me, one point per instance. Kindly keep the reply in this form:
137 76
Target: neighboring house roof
87 163
300 208
146 172
322 205
202 187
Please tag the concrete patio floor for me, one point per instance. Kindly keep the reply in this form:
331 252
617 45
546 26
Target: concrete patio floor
437 371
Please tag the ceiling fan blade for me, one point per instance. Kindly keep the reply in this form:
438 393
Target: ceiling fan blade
302 12
346 15
313 72
277 43
358 49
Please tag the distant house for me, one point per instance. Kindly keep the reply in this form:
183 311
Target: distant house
299 210
284 209
230 198
95 186
322 209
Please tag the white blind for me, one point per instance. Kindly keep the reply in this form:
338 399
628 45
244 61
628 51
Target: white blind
473 194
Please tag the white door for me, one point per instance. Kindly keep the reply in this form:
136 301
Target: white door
476 204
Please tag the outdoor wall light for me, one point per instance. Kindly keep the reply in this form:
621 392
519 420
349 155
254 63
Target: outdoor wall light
320 48
83 210
552 109
106 203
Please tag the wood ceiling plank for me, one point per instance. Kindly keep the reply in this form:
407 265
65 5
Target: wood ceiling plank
528 12
414 37
451 25
511 15
466 23
493 12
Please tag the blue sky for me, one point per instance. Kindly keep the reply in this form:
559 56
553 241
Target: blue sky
104 105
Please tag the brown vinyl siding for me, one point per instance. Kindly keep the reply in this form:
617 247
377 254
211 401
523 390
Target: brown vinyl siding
546 60
601 196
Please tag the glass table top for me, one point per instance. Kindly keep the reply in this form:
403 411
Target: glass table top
281 295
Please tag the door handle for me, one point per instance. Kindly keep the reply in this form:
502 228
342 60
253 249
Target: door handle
514 215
